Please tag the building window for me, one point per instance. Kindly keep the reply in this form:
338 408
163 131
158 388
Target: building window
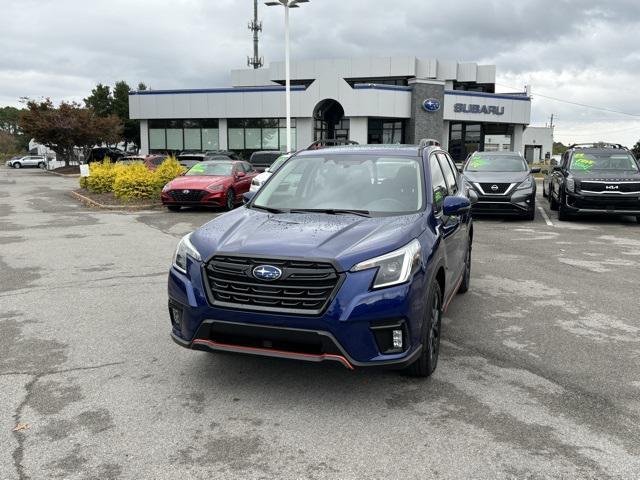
178 135
385 130
324 131
253 134
396 81
475 87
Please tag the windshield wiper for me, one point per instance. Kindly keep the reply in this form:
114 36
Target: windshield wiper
269 209
332 211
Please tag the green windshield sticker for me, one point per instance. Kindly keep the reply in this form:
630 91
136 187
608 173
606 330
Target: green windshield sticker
477 162
581 162
437 196
198 168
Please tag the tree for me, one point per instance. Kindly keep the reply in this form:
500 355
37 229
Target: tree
131 128
69 126
8 143
100 100
13 139
142 87
636 150
559 148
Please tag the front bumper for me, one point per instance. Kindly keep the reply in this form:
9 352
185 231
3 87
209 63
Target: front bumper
615 204
517 203
211 199
347 332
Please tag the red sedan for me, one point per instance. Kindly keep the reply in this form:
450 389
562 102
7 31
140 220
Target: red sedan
214 183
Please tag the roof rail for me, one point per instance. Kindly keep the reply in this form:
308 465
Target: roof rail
598 145
330 142
427 142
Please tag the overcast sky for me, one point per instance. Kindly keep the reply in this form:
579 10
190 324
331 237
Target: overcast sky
580 51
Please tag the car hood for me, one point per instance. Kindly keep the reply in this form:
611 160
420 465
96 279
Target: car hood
197 181
495 177
348 239
606 175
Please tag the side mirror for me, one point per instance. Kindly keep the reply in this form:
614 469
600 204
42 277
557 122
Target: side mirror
535 170
247 197
241 174
455 205
557 168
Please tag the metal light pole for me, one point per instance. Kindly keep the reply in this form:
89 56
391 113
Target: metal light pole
287 4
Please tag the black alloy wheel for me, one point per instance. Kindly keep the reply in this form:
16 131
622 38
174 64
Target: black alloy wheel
230 199
427 362
553 204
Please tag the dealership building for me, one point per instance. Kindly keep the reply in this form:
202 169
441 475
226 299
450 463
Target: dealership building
368 100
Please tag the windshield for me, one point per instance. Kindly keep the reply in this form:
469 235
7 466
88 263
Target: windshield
213 169
586 162
370 185
278 163
485 162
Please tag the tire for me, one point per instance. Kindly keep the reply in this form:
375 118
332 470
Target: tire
230 199
531 213
466 278
41 165
553 204
174 208
544 190
563 215
17 165
427 362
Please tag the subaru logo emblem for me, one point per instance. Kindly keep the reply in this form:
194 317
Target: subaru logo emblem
267 273
431 105
494 188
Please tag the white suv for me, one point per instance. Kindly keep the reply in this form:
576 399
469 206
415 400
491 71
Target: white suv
27 161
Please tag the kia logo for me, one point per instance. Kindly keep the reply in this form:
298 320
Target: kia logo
612 187
494 188
267 273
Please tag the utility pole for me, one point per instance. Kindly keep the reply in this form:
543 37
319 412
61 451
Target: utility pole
551 122
255 26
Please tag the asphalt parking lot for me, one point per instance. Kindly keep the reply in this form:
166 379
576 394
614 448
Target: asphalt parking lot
539 375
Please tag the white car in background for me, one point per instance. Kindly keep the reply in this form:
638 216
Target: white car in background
259 180
27 161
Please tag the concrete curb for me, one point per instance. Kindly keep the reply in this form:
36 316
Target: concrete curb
68 175
92 203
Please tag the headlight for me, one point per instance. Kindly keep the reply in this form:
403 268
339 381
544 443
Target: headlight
215 188
185 248
528 183
166 187
570 183
393 268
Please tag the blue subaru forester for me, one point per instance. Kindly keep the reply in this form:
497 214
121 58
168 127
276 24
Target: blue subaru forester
347 254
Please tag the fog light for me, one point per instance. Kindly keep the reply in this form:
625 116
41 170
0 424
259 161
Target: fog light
176 317
397 339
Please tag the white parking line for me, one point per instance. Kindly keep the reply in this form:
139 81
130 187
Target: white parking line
545 216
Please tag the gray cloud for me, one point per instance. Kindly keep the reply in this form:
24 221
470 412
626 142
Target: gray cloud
579 50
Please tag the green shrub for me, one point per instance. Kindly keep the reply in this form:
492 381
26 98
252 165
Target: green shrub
102 176
135 181
167 171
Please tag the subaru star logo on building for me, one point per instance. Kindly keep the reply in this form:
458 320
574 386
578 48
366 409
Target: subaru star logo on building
431 105
267 272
